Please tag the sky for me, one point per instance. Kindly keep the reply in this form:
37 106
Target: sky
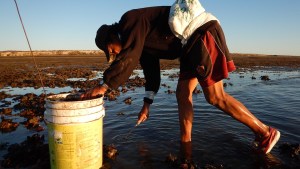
254 26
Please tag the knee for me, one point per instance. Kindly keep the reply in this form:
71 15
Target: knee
215 100
182 95
211 100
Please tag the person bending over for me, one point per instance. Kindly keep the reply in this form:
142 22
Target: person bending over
141 36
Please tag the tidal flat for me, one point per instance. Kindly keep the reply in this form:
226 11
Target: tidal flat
267 85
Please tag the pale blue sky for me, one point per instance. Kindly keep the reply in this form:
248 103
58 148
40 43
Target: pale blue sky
252 26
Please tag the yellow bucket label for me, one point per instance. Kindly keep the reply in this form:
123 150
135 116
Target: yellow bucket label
76 146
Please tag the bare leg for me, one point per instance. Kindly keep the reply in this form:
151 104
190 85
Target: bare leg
184 94
216 96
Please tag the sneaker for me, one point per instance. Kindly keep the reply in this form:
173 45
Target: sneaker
266 145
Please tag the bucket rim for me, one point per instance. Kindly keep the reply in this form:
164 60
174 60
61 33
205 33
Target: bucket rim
65 95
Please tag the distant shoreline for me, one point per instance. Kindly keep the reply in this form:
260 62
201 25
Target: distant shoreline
96 58
50 52
99 52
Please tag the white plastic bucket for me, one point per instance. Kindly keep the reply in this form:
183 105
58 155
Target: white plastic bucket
75 132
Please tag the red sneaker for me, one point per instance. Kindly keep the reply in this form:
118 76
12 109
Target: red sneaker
268 143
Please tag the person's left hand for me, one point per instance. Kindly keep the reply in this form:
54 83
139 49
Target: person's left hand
144 113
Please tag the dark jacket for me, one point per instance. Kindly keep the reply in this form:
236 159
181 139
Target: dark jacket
146 37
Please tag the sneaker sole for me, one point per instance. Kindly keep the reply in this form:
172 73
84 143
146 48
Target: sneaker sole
275 140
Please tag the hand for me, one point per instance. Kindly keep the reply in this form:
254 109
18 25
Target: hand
144 113
94 92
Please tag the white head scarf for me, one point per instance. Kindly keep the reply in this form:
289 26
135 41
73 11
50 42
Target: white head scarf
186 16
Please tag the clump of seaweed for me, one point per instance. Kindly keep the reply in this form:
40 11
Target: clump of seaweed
31 152
292 150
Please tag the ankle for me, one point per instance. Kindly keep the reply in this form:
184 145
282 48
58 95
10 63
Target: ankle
267 133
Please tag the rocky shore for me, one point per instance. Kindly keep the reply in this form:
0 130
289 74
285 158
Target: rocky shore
21 71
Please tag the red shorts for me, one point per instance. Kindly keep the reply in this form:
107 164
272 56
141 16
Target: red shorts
206 56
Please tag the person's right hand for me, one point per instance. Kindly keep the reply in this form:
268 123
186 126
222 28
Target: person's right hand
94 92
144 113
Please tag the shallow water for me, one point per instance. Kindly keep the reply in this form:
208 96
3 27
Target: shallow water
217 138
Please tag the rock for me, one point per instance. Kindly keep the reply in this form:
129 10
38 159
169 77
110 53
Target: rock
6 111
265 78
292 150
128 100
110 151
7 125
